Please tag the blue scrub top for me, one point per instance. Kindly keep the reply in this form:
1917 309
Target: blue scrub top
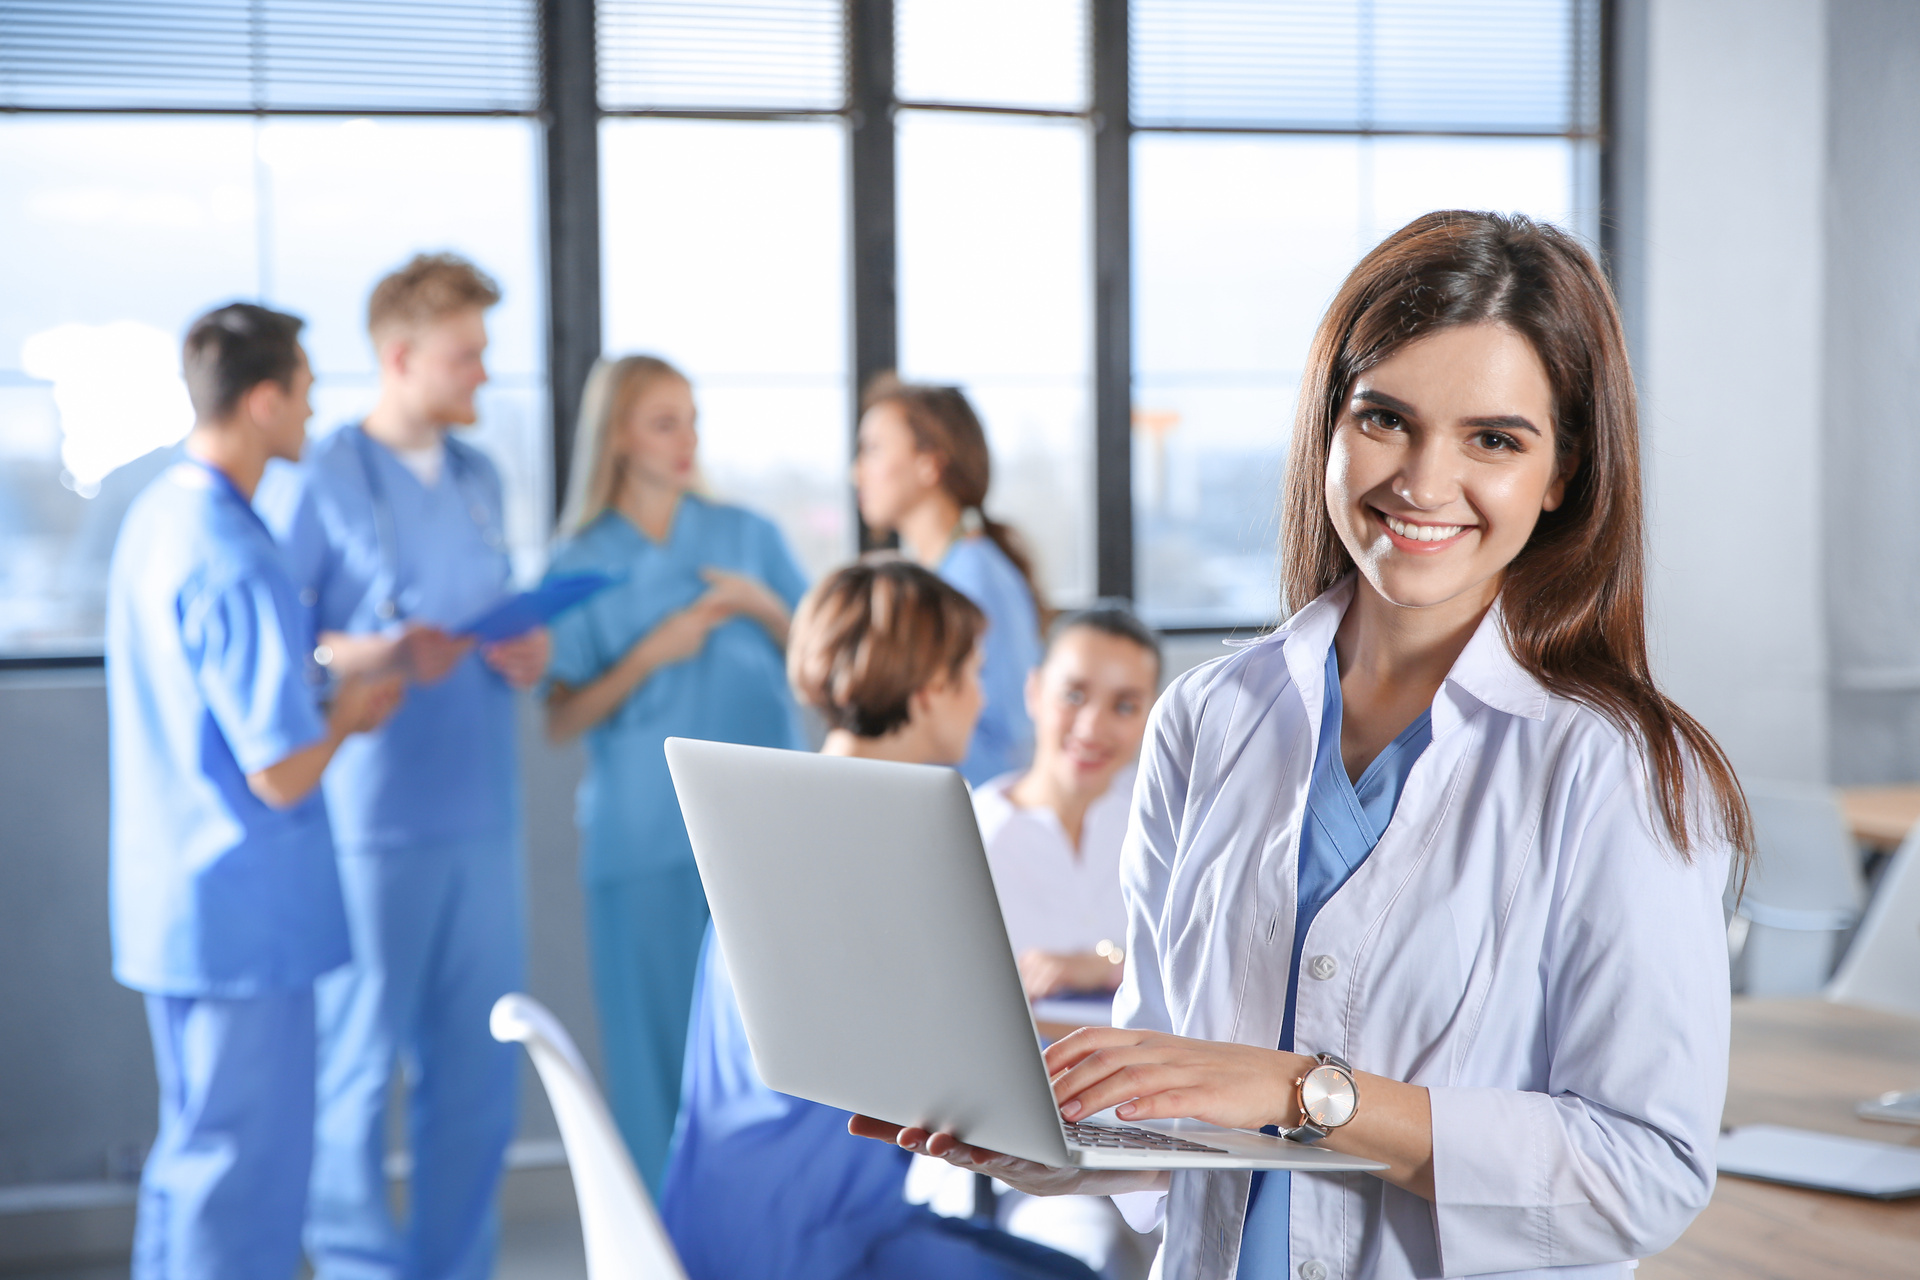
372 548
1345 821
761 1183
212 892
733 690
1003 740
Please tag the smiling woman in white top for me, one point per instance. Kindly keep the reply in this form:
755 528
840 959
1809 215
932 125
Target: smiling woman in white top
1053 832
1432 874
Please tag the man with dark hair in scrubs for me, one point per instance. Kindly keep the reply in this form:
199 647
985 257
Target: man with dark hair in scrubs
225 902
396 535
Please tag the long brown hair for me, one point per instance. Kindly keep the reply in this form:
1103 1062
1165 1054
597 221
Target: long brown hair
594 479
871 635
1573 600
944 424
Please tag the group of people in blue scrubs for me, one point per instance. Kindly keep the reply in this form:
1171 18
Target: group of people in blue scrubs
315 799
317 865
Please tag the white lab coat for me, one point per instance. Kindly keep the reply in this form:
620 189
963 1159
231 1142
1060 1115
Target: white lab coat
1524 941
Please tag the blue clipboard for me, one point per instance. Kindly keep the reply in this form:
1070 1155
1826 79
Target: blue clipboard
518 614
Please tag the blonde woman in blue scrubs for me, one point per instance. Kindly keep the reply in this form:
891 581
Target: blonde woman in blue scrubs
1432 874
691 643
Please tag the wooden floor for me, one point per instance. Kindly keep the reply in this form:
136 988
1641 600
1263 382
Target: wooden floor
1805 1063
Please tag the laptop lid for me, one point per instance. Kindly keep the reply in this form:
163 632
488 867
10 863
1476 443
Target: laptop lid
787 843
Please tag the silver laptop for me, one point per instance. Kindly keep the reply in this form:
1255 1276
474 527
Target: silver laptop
857 917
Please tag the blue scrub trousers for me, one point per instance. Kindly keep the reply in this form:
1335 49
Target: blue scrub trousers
438 935
644 931
225 1187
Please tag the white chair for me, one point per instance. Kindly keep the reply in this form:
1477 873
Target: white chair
1805 892
624 1238
1882 967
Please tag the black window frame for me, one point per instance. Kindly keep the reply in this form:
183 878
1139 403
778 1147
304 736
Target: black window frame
569 112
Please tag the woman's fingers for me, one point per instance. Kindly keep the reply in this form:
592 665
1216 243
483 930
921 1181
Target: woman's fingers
868 1127
1104 1081
1068 1050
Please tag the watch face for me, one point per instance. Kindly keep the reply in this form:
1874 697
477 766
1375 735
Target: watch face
1327 1097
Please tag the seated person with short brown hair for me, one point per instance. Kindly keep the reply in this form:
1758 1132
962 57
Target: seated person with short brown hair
764 1186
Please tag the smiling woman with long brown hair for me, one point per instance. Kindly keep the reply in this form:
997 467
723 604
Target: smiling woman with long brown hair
1433 873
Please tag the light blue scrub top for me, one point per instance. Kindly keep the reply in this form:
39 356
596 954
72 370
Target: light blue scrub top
213 893
372 548
1345 821
733 690
1003 740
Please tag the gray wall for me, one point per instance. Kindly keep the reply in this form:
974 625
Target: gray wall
1775 272
1730 369
76 1070
1872 419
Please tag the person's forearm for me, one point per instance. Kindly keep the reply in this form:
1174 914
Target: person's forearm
571 712
776 618
287 782
1393 1125
366 654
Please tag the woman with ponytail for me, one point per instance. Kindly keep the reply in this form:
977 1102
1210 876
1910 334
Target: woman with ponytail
1431 875
921 469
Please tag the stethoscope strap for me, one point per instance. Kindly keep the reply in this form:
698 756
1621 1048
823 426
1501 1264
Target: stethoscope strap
385 535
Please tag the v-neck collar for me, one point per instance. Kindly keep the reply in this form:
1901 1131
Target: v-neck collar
673 526
1332 770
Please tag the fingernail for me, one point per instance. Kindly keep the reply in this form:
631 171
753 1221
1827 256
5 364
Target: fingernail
1124 1111
1070 1110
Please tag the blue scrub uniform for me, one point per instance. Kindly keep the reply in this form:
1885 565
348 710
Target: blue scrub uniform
766 1186
646 912
1346 820
1003 739
224 909
426 812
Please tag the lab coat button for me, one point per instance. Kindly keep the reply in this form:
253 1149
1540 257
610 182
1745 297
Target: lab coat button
1313 1268
309 597
1321 967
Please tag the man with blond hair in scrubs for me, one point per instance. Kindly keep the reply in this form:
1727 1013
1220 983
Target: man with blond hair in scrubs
396 534
225 903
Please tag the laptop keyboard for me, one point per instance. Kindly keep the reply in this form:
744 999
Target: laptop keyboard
1120 1137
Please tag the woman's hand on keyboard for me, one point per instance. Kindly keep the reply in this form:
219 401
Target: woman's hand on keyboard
1022 1175
1150 1075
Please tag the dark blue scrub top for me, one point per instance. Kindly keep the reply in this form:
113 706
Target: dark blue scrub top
1345 820
760 1183
212 892
361 532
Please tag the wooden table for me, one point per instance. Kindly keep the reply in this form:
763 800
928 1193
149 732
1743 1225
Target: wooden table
1806 1063
1880 818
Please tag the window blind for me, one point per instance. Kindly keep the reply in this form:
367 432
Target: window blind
265 55
754 55
1445 66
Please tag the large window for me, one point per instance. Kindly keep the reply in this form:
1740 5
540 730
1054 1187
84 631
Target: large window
725 250
115 230
1114 223
1274 145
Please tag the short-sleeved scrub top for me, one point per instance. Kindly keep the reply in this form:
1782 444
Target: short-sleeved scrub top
733 690
213 892
372 548
1003 739
1345 820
